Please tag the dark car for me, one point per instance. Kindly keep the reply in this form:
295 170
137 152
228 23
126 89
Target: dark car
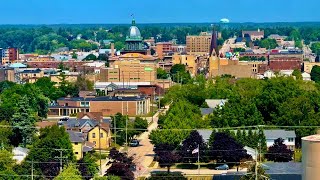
64 119
134 143
222 167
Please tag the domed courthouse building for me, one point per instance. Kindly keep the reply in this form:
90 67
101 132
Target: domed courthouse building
135 62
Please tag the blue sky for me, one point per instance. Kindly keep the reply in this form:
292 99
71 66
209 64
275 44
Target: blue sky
153 11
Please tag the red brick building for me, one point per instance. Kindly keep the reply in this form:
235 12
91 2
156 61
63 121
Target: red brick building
133 106
163 48
55 64
279 61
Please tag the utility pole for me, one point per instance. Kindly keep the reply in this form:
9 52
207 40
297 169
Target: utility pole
61 157
32 169
127 127
100 146
256 165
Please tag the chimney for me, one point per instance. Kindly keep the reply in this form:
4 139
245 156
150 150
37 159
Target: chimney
112 49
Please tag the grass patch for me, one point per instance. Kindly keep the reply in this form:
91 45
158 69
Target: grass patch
187 166
152 164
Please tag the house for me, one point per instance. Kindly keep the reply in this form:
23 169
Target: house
215 103
287 136
271 136
98 116
100 136
89 129
19 154
79 145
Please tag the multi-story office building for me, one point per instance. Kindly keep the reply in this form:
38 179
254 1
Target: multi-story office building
163 48
200 43
9 55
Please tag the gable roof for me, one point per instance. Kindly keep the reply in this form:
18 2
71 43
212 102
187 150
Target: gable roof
44 124
214 103
92 115
206 111
75 136
279 133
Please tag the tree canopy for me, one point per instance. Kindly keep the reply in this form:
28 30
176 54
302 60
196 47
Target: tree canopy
279 152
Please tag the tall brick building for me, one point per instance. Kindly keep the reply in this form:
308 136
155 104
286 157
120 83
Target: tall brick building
286 61
200 43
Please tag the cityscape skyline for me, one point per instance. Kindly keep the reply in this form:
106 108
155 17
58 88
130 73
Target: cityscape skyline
201 11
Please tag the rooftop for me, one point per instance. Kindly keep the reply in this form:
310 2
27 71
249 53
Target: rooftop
104 98
314 138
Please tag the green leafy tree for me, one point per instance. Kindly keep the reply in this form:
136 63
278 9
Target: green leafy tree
262 142
167 136
45 149
90 57
24 121
5 133
161 74
88 167
84 84
7 165
315 73
74 56
70 172
48 88
141 124
297 73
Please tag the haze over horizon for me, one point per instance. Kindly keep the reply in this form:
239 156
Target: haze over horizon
166 11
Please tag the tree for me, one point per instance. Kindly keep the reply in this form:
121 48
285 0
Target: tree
46 150
167 136
74 56
165 155
24 121
48 88
90 57
297 73
84 84
7 165
279 152
122 165
141 124
251 173
88 167
107 178
225 149
315 73
262 142
193 141
5 133
315 47
161 74
121 170
70 172
61 66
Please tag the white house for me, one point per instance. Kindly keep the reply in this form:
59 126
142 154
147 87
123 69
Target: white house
19 154
214 103
306 76
287 136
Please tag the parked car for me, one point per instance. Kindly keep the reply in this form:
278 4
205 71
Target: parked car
134 143
64 119
222 167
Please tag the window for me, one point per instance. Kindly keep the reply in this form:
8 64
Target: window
290 139
93 135
76 143
76 153
94 143
84 104
101 135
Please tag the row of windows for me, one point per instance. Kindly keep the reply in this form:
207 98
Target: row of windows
94 135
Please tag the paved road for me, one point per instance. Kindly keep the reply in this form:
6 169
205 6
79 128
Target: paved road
143 154
202 171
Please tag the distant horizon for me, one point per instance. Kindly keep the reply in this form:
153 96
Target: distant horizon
146 23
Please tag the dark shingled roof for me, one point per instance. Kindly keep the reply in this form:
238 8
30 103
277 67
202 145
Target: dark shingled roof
104 98
206 111
75 136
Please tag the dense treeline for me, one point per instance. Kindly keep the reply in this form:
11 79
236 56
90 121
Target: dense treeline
281 101
47 39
